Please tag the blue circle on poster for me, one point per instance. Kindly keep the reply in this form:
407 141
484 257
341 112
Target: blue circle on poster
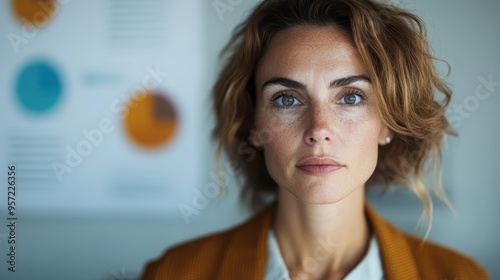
39 87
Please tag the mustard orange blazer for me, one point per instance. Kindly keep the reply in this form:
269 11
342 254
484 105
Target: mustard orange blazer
241 253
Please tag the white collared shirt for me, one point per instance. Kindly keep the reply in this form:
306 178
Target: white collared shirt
370 268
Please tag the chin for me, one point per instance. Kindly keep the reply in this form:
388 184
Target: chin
319 193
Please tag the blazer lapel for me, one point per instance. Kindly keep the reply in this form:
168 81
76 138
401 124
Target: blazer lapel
397 258
246 253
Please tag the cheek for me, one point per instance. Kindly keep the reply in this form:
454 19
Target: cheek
280 136
362 142
277 156
282 143
277 129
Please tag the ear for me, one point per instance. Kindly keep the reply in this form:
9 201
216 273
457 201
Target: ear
385 136
255 138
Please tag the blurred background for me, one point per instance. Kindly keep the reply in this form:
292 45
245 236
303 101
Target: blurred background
106 116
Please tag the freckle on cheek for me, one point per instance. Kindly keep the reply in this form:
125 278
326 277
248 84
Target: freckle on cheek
283 119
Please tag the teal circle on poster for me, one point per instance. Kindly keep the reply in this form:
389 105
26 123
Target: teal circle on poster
39 87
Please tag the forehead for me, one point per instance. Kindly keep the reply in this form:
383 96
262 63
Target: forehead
305 49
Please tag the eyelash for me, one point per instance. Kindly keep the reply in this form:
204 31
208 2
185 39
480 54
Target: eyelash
358 93
352 91
281 94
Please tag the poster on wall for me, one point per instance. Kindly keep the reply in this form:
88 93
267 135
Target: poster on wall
100 104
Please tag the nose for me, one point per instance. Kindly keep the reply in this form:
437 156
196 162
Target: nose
319 125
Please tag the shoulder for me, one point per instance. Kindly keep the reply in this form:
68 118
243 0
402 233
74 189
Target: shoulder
197 255
222 255
407 257
435 261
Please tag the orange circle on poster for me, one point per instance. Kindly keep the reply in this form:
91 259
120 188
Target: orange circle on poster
34 12
150 120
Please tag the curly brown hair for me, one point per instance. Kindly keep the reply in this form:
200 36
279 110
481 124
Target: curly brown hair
392 43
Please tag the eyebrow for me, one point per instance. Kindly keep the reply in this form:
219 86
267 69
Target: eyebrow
341 82
289 83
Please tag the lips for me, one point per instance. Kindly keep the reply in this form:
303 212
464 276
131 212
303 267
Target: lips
319 165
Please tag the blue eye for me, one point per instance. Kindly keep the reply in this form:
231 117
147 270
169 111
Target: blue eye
286 100
351 98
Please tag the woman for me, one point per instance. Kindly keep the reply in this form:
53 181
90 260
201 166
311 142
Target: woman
318 101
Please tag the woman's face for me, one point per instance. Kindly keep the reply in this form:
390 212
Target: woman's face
316 116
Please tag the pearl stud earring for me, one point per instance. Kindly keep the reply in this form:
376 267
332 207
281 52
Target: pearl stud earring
388 139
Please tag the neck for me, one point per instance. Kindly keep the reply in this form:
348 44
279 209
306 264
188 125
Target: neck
326 240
